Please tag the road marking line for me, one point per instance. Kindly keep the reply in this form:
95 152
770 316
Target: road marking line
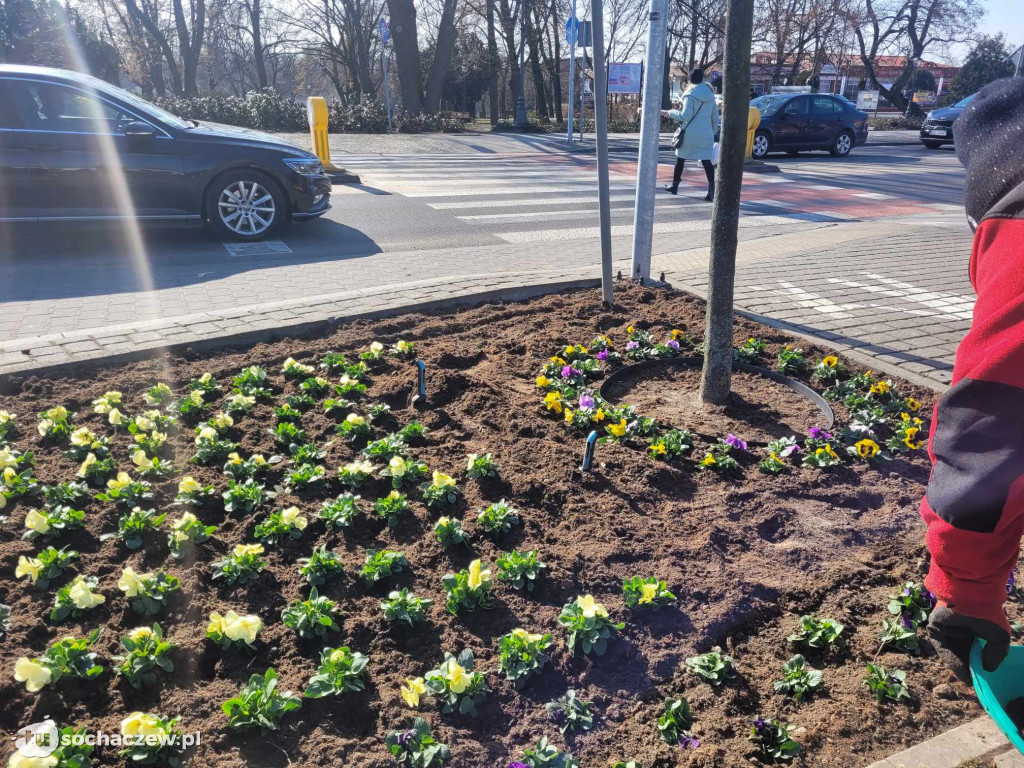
568 213
874 195
507 191
623 230
514 203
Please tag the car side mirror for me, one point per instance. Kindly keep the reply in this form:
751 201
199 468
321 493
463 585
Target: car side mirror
139 132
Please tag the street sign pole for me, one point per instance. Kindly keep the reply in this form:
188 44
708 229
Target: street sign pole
601 129
572 32
384 65
650 134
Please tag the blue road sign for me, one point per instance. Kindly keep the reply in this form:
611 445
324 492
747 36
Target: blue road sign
384 30
572 28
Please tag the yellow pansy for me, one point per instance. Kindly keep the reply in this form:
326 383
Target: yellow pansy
519 632
294 518
677 334
188 484
155 439
830 362
142 461
397 466
60 413
243 550
115 417
355 419
19 760
139 633
6 417
238 400
599 416
880 388
568 416
403 346
206 378
206 433
619 429
647 593
455 675
145 424
216 625
28 566
242 628
658 449
139 725
123 480
223 421
709 460
132 583
364 467
9 475
196 396
590 607
912 404
376 347
478 575
867 449
33 674
234 458
82 595
185 521
908 438
543 381
258 460
553 401
90 459
160 391
557 360
82 437
35 521
629 329
44 427
412 690
441 480
7 458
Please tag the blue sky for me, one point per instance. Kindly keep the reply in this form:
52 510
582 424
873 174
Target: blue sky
1005 16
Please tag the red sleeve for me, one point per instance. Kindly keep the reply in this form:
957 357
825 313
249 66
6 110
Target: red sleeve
974 504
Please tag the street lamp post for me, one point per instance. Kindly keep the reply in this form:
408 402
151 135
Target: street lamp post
521 98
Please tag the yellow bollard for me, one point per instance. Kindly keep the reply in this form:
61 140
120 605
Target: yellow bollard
753 120
316 111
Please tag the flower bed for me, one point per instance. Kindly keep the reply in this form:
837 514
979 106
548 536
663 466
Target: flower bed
340 564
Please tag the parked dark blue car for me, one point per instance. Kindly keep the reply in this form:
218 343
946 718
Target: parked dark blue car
795 122
937 128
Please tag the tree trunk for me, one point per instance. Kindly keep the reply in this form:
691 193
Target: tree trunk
538 73
716 377
492 64
556 65
508 33
666 83
407 53
256 21
446 34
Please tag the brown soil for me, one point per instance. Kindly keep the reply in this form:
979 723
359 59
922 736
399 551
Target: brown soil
759 410
745 556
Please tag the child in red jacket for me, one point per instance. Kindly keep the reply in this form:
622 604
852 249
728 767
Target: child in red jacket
974 504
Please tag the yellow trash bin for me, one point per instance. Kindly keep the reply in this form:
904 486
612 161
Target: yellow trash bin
753 120
316 112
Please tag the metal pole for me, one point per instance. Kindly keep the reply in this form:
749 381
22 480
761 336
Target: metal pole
572 70
521 98
650 133
1020 62
601 129
387 85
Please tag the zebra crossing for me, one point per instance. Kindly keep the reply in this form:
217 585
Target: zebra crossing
542 197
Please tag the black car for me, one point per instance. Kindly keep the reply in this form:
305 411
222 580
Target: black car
794 122
937 128
75 148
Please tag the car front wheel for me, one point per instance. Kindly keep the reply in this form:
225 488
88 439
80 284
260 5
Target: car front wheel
245 205
762 143
841 144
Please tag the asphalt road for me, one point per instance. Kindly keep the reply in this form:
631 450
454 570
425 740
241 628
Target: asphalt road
422 206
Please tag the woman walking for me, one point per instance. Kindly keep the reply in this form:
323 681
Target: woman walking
698 118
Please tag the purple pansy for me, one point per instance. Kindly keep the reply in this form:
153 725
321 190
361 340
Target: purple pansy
908 623
405 737
673 345
734 442
688 742
518 765
602 355
631 345
587 401
568 372
817 433
1010 582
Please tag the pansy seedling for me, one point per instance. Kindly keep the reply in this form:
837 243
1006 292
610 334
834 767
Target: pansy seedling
341 670
885 685
571 713
522 654
714 666
646 592
798 680
340 512
260 703
588 625
675 722
402 606
790 361
773 742
469 589
816 634
146 653
520 570
320 566
457 685
416 746
749 351
310 618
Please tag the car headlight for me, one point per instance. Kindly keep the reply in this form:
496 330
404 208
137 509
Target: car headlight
305 166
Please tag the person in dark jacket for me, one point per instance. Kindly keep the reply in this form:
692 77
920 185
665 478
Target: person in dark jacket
974 503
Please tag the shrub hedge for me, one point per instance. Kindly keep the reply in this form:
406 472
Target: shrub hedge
269 111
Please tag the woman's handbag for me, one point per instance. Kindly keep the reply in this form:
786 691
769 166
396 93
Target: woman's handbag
680 134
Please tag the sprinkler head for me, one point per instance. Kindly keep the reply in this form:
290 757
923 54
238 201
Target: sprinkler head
588 451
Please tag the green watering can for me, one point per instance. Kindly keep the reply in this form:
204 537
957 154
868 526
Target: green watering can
997 689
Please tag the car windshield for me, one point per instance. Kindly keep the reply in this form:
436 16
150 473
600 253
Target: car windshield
769 105
964 102
137 102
